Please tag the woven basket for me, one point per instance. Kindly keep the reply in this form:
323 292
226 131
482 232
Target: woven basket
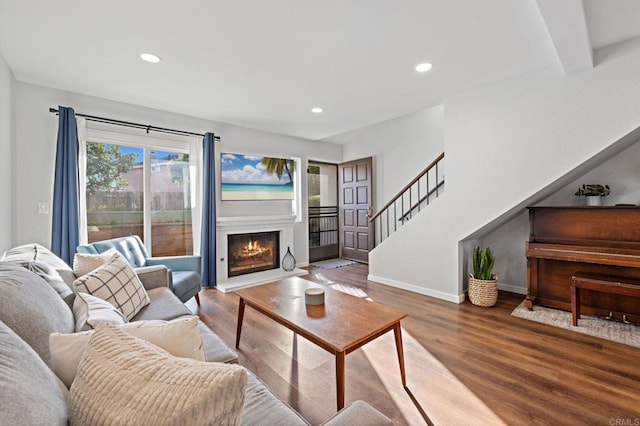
483 292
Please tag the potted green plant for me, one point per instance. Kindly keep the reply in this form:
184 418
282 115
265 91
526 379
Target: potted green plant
593 193
483 283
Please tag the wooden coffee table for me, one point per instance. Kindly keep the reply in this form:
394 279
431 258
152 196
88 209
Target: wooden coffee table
343 324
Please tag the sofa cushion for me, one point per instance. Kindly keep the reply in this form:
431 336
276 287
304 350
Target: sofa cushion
43 262
185 283
164 305
179 337
215 349
261 407
30 393
31 308
122 379
153 276
116 283
83 263
89 311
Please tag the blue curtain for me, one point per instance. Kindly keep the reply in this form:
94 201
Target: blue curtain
65 230
208 243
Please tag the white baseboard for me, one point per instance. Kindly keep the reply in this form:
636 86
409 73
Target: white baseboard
512 288
455 298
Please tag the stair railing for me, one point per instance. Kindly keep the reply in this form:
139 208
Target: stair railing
416 195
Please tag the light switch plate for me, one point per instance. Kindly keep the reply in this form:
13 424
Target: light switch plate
43 207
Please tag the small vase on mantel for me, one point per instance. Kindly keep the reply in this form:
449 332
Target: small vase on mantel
288 261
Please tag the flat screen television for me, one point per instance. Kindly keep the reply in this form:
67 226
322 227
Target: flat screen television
251 177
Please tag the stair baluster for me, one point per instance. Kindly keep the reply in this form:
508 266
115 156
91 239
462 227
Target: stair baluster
382 216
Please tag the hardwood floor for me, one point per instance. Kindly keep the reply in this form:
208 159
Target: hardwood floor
465 364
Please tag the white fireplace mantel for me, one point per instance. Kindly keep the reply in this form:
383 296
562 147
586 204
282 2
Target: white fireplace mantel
248 224
238 223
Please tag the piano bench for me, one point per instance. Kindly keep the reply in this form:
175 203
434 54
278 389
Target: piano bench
604 284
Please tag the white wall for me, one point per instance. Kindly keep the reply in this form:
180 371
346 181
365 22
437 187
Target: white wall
504 144
401 148
621 173
36 131
507 243
7 133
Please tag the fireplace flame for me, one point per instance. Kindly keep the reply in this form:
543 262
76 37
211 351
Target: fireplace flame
252 248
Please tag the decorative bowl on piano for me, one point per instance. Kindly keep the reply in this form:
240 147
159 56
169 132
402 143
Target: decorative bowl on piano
483 283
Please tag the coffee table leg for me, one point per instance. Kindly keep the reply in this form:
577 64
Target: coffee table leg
398 333
240 317
340 379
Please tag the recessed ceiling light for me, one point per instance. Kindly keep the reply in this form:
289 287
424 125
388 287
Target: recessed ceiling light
317 110
150 57
424 67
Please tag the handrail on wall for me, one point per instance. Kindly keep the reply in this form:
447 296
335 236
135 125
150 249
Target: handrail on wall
403 190
433 190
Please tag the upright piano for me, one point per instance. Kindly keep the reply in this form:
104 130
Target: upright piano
593 240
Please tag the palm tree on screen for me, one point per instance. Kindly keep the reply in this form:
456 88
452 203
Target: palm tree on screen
279 166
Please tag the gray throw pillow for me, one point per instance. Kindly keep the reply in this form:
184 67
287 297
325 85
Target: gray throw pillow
43 262
34 253
54 278
31 394
31 308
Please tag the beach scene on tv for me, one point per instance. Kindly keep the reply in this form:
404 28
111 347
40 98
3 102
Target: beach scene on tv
250 177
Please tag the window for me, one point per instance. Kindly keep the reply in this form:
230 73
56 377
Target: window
139 189
171 233
322 190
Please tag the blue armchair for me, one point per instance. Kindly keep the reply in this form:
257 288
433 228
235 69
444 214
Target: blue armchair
185 270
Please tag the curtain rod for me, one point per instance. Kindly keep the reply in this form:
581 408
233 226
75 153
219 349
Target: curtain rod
146 127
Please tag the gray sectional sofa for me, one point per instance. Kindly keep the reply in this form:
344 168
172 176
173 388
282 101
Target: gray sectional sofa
36 300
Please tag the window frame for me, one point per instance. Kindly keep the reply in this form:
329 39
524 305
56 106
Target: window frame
133 138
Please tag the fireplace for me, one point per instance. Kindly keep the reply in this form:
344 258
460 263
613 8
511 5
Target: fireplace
236 274
253 252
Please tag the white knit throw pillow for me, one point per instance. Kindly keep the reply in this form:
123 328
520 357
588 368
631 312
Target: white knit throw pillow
125 380
83 263
116 283
179 337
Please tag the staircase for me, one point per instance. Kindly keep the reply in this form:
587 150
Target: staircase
415 196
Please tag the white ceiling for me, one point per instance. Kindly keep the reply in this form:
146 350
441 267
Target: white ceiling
612 21
264 64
